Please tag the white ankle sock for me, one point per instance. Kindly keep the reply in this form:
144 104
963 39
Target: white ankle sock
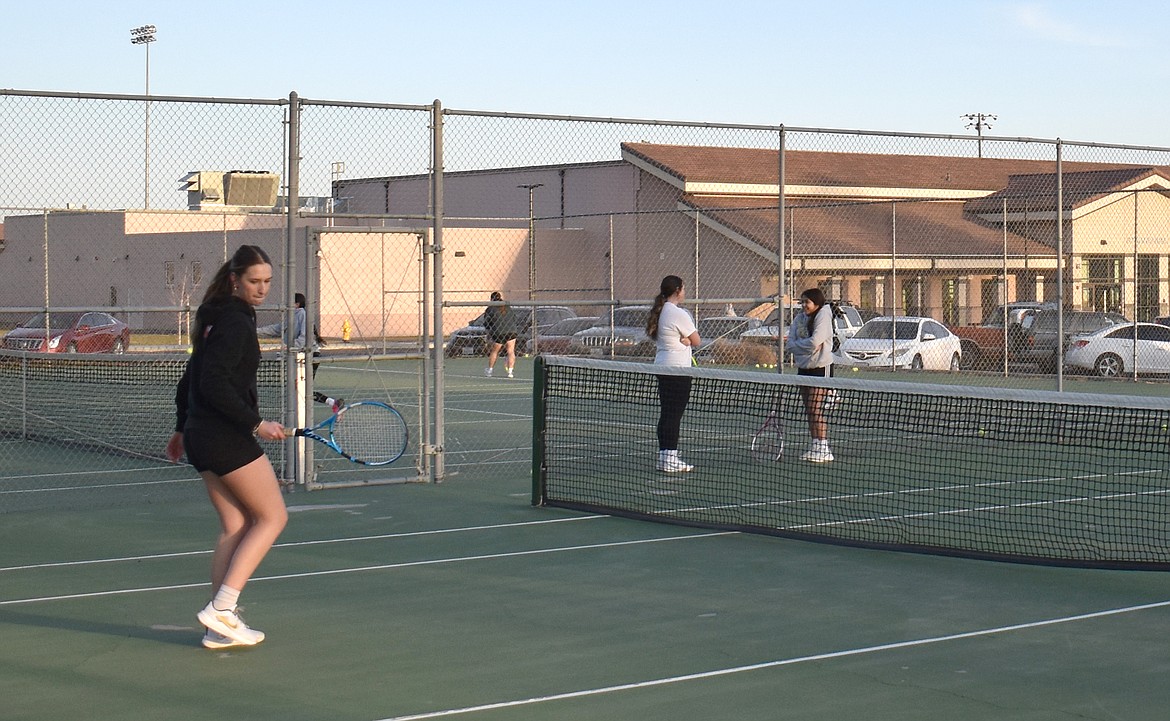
225 598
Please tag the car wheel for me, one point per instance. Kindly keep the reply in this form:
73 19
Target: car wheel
969 359
119 346
916 364
72 348
1109 366
955 363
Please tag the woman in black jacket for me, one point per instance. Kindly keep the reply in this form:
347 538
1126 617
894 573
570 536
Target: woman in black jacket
500 323
218 424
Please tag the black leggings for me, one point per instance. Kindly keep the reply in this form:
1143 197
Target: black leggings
673 393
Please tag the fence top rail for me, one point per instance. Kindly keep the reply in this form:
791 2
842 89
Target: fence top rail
782 128
594 302
357 104
800 129
140 98
99 308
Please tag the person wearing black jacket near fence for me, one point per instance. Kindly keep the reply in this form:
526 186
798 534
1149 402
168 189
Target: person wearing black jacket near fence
500 323
218 424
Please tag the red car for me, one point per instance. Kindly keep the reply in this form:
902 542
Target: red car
60 332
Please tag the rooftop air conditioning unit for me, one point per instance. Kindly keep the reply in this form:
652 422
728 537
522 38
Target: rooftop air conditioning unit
203 188
252 188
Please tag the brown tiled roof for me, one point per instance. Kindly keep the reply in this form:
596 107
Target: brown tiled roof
699 164
1038 192
933 229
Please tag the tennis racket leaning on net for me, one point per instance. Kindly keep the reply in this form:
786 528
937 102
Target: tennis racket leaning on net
768 441
367 432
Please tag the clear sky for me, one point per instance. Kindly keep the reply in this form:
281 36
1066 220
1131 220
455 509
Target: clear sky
1083 70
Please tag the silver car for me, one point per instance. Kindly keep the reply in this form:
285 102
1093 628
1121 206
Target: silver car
622 332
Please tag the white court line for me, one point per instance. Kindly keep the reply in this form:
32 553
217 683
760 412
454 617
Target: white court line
294 544
380 567
775 664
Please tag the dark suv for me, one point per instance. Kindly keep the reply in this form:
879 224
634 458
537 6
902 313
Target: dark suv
1039 333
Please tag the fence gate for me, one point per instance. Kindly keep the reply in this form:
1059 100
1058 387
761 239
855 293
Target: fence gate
367 301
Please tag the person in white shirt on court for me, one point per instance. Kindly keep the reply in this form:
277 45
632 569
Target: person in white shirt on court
675 333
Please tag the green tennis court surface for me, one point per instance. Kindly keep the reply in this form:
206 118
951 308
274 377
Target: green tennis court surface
462 600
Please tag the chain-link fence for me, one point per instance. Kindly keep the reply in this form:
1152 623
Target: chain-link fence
1025 258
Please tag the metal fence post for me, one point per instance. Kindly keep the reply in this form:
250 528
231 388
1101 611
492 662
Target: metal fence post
292 401
438 467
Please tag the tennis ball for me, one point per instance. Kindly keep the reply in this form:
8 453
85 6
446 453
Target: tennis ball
757 365
854 369
190 350
982 432
1164 426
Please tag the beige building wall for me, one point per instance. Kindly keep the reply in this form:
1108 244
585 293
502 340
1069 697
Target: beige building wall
374 279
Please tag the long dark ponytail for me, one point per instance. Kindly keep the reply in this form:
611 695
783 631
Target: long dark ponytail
671 284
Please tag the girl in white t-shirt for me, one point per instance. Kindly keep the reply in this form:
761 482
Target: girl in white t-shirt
674 331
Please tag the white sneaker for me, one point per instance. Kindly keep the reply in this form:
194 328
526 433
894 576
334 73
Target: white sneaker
487 372
229 623
817 455
211 639
509 372
673 464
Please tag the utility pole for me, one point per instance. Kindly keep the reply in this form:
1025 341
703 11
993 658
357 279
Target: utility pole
979 121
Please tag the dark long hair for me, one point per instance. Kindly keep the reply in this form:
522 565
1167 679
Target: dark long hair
245 257
817 296
221 286
498 296
671 284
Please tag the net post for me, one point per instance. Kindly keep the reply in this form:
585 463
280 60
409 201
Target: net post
538 426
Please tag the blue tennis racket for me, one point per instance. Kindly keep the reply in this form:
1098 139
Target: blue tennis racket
367 432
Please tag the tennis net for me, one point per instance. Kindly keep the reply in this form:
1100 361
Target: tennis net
78 421
1032 476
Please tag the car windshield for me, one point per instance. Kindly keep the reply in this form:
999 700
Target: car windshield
569 326
630 317
995 318
906 329
771 320
56 320
717 327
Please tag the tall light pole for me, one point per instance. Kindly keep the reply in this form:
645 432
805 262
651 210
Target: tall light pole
532 255
979 121
145 36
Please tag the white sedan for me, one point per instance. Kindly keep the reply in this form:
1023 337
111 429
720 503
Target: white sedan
904 342
1111 351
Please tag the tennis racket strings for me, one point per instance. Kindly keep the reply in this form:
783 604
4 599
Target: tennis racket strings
370 432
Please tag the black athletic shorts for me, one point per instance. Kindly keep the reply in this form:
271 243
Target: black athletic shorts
220 450
822 372
502 339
